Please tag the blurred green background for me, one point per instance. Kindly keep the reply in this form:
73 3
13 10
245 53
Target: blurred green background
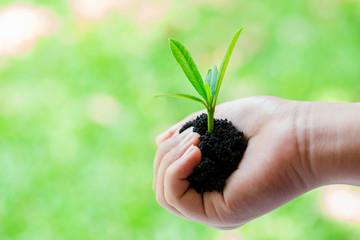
78 117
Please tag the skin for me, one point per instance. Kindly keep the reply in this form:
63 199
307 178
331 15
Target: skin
293 148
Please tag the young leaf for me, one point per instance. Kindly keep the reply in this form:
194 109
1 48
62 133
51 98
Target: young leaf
225 63
214 78
185 96
188 65
208 93
208 77
208 81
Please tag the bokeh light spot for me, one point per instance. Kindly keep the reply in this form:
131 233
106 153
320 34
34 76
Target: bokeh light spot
342 202
294 30
21 25
94 10
103 109
149 12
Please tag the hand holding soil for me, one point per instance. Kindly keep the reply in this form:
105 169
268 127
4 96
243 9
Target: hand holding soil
293 147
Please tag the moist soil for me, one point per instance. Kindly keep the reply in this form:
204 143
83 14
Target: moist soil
221 152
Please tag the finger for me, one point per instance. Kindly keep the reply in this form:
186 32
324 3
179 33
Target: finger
171 157
168 133
195 155
163 149
176 127
176 183
176 186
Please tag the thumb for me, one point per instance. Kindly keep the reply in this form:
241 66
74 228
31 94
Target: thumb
176 183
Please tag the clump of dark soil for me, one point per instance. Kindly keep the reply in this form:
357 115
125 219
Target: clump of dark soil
221 153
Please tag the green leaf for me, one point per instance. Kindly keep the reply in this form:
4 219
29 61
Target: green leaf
208 93
185 96
225 63
188 65
214 78
208 81
208 77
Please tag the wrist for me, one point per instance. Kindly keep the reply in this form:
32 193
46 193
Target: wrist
332 136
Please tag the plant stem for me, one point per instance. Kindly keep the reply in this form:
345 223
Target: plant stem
210 118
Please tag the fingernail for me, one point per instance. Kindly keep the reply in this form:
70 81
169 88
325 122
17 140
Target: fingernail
188 131
172 130
187 134
189 151
160 137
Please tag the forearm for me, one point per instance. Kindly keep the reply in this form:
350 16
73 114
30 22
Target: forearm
332 136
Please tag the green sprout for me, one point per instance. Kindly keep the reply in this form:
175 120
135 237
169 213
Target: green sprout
208 90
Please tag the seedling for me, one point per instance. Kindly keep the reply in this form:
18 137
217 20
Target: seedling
208 90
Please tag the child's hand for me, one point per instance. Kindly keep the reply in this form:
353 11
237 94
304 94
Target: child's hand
283 160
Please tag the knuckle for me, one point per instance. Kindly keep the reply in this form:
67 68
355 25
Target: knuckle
170 199
168 192
164 147
167 146
160 200
154 188
231 207
169 174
